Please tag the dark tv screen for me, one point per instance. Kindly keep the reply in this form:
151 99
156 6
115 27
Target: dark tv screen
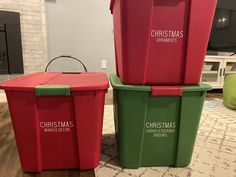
223 34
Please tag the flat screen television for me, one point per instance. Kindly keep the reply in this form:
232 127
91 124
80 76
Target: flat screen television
223 34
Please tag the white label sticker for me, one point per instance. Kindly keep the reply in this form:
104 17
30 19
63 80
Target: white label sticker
57 126
160 129
167 36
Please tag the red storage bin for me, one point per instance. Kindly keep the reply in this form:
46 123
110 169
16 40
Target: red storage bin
57 119
161 42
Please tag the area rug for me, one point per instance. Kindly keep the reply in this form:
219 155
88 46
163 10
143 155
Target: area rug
214 153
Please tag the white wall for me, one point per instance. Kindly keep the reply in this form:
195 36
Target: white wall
81 28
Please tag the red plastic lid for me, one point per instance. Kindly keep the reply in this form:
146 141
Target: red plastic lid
81 81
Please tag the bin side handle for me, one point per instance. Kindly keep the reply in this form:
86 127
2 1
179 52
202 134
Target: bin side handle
166 91
52 90
111 6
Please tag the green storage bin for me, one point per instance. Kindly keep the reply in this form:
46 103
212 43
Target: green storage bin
156 126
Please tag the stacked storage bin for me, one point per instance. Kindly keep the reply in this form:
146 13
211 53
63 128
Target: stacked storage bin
160 47
57 119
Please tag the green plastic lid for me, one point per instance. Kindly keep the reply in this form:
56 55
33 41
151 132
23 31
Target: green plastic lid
117 84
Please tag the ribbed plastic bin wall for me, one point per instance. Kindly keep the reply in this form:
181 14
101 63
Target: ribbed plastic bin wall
156 126
57 119
161 42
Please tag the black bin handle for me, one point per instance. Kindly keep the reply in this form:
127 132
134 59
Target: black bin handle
66 56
